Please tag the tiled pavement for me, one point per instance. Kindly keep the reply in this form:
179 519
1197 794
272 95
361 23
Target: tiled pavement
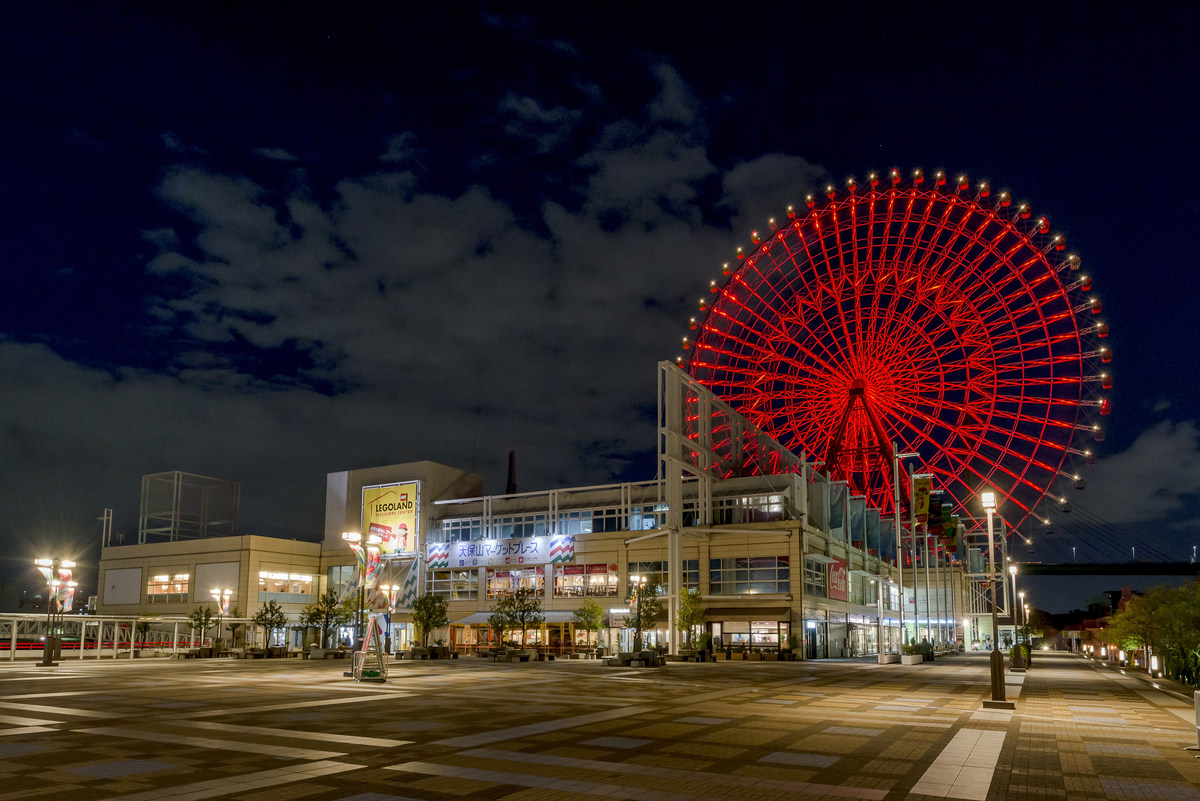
465 729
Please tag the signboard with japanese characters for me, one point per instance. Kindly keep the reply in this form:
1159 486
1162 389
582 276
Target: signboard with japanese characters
488 553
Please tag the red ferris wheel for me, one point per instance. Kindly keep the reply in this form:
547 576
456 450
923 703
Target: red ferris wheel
923 312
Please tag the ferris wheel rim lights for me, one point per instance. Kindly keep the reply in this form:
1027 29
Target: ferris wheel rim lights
1042 275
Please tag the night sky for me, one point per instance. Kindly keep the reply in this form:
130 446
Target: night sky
269 241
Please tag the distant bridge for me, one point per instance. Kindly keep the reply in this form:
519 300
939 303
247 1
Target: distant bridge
1109 569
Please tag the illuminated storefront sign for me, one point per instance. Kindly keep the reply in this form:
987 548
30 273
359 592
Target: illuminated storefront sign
390 512
526 550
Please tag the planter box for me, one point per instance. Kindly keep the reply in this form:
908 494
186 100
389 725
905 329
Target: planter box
889 659
912 659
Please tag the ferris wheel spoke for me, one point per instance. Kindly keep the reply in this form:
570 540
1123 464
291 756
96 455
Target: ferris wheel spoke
940 305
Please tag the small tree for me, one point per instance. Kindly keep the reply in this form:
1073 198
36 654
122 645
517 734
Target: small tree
690 614
429 613
498 622
326 614
272 618
201 618
589 617
647 606
233 626
142 627
522 610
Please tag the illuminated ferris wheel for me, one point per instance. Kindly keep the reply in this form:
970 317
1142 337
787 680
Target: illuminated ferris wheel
923 312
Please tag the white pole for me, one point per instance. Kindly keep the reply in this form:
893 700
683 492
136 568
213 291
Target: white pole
899 541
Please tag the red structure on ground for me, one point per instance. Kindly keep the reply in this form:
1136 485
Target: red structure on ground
922 312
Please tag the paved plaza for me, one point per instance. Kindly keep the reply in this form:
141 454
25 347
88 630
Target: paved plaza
466 729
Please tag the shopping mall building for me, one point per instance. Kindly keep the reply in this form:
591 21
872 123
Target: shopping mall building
774 548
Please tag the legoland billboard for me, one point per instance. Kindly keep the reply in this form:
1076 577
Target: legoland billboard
390 512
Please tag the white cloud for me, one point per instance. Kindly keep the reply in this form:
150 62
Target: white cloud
1156 477
276 154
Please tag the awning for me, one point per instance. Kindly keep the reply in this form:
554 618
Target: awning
719 613
820 557
481 618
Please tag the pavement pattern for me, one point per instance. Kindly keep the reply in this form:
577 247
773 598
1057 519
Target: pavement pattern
467 729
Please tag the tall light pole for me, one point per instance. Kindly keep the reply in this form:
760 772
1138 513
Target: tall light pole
222 599
988 498
638 583
899 539
354 540
1018 660
57 573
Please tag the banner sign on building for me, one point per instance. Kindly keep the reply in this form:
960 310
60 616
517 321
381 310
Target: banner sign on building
839 580
481 553
390 512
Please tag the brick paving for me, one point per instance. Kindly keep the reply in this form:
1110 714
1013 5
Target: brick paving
467 729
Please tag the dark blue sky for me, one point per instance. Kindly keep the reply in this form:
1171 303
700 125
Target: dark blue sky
265 242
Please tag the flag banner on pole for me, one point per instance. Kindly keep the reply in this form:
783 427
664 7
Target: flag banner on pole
934 523
371 569
408 588
921 487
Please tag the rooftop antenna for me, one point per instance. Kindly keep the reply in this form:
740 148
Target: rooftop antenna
106 528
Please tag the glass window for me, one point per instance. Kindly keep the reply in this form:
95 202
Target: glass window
461 529
579 581
814 578
287 583
167 588
341 578
454 585
502 583
690 576
749 575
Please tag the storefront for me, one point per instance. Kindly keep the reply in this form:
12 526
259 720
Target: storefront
763 629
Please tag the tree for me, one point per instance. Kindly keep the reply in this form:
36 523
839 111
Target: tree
201 618
499 623
272 618
1165 620
521 610
234 625
690 614
646 608
589 617
142 627
327 614
429 613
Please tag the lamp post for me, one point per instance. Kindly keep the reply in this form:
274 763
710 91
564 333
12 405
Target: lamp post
57 573
367 557
638 583
988 498
899 539
222 599
1018 660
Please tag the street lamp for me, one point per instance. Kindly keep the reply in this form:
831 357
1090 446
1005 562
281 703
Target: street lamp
638 582
1018 660
57 573
988 499
222 599
899 539
367 557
